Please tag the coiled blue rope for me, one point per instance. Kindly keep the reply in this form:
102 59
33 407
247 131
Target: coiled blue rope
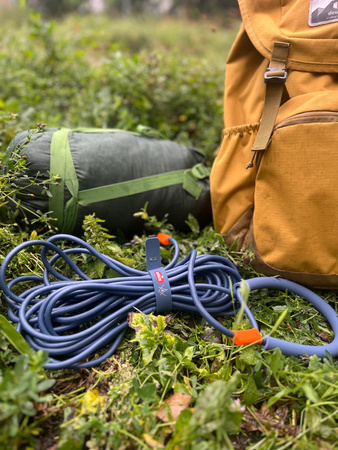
75 319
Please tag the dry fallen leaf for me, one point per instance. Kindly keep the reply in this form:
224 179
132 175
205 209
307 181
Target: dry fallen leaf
324 336
176 403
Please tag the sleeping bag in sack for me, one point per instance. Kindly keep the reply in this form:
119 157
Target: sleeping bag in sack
274 182
113 174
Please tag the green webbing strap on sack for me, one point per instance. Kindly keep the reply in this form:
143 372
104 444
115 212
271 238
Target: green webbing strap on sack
197 172
141 130
187 177
61 163
102 130
275 77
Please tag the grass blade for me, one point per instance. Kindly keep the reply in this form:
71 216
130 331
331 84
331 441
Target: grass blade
14 337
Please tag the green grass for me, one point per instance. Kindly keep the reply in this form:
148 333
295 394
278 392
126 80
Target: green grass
174 382
202 39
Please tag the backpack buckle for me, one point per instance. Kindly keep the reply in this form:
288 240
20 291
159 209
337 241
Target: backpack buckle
275 75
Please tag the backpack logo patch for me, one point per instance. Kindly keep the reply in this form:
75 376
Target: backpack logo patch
323 12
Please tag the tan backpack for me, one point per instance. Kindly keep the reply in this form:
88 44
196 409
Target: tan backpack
274 181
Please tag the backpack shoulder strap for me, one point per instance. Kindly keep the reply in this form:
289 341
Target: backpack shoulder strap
274 77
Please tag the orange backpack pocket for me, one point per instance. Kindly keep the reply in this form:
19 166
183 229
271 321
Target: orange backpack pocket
296 197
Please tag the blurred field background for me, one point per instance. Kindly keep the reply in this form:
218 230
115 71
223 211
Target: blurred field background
64 66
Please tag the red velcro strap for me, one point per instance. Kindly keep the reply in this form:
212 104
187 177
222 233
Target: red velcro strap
243 337
163 238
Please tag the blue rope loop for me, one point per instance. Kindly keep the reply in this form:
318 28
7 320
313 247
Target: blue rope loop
74 319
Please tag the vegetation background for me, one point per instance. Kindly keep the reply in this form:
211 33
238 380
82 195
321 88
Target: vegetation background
62 66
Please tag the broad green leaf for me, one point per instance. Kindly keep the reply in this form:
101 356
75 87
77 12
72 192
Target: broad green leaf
169 340
276 361
283 393
312 420
251 393
14 337
248 356
314 363
182 388
97 269
214 409
310 393
45 384
147 392
183 420
189 353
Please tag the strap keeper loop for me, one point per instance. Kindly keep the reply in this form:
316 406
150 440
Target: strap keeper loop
275 75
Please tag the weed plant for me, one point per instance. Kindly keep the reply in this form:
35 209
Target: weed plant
174 382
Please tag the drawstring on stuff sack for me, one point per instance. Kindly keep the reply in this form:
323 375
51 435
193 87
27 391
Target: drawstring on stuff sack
74 319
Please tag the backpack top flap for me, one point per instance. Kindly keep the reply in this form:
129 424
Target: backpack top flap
311 27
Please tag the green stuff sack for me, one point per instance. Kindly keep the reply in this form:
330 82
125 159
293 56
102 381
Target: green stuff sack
113 174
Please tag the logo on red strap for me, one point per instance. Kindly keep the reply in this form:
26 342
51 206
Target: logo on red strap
159 276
